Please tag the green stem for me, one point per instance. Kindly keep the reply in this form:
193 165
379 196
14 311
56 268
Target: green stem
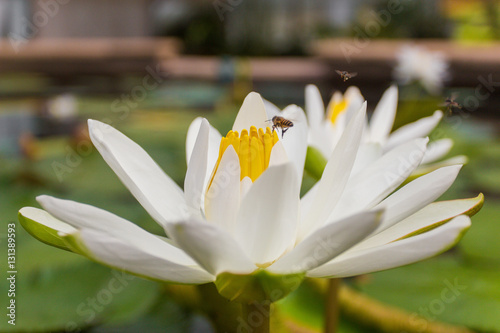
224 314
332 306
255 317
381 317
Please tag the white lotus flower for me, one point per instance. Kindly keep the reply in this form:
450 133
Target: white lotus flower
415 63
239 221
325 128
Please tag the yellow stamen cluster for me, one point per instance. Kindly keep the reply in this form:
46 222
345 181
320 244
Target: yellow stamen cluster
336 109
253 149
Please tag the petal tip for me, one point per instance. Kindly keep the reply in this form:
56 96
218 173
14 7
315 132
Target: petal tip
312 89
97 129
66 234
480 198
464 222
438 114
42 198
204 121
92 123
23 211
254 95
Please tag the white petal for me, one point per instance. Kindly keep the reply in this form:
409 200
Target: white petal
335 175
295 140
213 145
306 202
399 253
383 117
378 180
155 191
416 195
191 136
142 259
82 216
355 102
367 154
429 217
314 106
42 217
336 98
271 109
278 154
418 129
245 185
194 182
322 138
437 149
45 227
326 243
334 130
212 247
223 197
214 140
267 220
426 168
252 113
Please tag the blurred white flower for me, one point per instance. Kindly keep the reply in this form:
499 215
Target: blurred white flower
239 221
415 63
63 106
325 128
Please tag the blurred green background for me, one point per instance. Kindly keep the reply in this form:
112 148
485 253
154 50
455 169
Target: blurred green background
67 71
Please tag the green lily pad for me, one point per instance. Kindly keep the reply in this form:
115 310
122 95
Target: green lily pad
55 288
164 316
76 296
444 289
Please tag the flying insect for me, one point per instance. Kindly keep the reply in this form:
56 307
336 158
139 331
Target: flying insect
346 75
280 122
451 103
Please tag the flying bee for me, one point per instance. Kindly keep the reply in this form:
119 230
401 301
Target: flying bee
346 75
451 104
280 122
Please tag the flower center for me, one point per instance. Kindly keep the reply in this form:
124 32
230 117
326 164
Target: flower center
337 108
253 149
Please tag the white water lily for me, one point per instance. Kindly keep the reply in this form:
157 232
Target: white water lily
239 221
325 128
416 64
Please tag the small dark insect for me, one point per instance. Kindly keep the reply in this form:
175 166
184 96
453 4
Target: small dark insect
346 75
451 104
280 122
